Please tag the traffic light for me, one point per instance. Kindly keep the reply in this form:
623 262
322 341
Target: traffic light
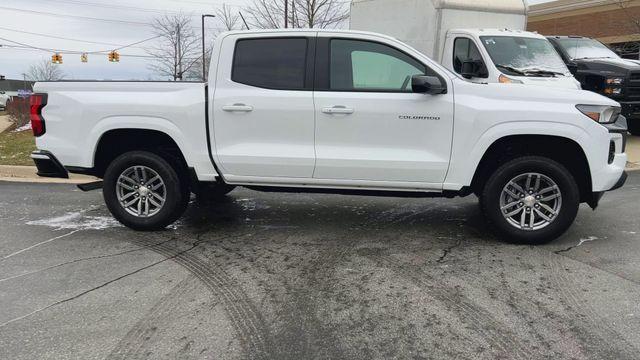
56 58
114 56
84 57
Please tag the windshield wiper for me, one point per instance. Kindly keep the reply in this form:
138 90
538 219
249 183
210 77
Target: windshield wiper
511 69
542 72
594 57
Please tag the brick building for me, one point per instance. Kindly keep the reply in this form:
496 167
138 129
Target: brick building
613 22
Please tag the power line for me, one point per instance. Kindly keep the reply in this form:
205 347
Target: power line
74 52
62 38
87 52
128 22
125 7
76 16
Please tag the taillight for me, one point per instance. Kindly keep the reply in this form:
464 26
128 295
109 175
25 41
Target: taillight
38 101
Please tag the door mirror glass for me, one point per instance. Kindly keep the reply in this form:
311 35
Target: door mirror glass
466 51
424 84
472 69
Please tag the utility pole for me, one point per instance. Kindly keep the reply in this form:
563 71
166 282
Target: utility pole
286 13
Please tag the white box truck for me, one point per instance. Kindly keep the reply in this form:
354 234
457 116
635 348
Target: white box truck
481 40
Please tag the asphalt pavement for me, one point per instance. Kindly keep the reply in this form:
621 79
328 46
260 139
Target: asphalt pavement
298 276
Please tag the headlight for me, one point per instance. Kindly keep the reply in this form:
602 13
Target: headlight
614 81
613 91
507 80
603 114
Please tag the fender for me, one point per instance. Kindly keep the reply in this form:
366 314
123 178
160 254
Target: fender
465 159
198 160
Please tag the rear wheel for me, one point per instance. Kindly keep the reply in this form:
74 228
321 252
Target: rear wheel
143 191
531 200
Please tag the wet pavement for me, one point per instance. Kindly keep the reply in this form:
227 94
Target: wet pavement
298 276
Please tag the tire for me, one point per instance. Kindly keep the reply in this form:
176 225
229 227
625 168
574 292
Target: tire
168 185
634 126
563 200
208 192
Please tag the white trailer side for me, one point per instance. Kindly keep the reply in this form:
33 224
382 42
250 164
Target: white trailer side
423 24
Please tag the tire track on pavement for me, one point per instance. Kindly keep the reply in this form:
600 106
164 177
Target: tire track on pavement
493 331
133 342
255 336
598 325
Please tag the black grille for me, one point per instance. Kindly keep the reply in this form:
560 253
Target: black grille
635 76
612 151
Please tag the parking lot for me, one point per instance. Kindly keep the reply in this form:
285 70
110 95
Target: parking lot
312 276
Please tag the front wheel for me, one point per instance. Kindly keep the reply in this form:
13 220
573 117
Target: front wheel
531 200
143 191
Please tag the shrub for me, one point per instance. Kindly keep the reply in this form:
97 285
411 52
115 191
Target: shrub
18 110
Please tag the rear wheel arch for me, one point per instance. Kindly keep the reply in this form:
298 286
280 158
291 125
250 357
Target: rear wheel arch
116 142
565 151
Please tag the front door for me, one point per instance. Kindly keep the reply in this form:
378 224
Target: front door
369 125
263 114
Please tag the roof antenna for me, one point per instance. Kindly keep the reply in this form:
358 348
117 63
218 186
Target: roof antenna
243 20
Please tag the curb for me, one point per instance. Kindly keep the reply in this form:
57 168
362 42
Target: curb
16 173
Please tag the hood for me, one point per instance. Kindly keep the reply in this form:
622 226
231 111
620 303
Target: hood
613 66
564 82
528 93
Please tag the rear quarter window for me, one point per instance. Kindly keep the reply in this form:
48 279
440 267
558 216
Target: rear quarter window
272 63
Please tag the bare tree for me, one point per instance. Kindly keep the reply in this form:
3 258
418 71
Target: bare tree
178 48
301 13
45 70
229 18
634 21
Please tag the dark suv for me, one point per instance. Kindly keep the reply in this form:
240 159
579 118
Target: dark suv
601 70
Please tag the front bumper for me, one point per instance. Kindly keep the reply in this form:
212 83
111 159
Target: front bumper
48 165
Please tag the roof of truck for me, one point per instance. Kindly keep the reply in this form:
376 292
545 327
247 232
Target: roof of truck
496 32
503 6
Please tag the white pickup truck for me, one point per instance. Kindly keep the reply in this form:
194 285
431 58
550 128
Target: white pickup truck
334 112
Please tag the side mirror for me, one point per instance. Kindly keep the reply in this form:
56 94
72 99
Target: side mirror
424 84
573 67
473 68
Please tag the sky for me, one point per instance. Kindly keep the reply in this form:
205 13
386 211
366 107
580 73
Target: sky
88 26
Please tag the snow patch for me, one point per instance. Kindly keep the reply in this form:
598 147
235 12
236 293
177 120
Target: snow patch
78 221
24 127
587 239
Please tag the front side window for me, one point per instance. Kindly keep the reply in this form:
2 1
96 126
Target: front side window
523 56
464 49
584 48
273 63
368 66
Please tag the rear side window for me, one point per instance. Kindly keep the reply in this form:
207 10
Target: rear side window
271 63
464 50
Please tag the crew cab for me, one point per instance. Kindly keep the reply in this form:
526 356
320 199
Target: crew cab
334 112
601 70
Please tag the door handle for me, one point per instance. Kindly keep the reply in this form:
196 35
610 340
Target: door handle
337 109
237 108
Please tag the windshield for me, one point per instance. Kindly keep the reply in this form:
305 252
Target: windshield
524 56
583 48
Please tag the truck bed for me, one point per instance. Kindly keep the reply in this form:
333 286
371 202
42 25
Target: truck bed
80 112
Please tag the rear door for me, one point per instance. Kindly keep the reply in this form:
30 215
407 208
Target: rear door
263 114
370 126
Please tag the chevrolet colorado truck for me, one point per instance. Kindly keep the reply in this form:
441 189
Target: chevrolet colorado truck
334 112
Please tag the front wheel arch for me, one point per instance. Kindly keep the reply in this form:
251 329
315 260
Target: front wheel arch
563 150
